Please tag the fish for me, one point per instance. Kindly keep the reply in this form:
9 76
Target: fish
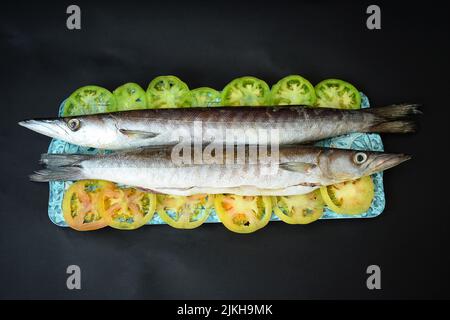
291 170
228 125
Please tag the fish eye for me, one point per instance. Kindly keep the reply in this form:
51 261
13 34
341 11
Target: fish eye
360 158
73 124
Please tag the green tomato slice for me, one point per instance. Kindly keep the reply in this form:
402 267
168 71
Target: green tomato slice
334 93
246 91
168 92
89 100
350 197
205 97
130 96
184 212
293 90
299 209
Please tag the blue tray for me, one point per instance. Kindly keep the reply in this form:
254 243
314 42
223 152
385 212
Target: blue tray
356 141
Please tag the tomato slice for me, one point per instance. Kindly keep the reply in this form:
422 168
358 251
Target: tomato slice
127 208
351 197
293 90
168 92
80 204
334 93
246 91
205 97
185 212
243 214
299 209
130 96
89 100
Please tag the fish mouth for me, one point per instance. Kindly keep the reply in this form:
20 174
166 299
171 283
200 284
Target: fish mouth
386 161
48 127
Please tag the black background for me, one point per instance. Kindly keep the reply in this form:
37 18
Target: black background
208 43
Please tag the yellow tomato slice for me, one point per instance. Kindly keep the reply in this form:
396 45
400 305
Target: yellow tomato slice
350 197
183 212
80 204
127 209
243 214
299 209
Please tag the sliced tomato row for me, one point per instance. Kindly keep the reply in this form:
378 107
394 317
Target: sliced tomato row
94 204
171 92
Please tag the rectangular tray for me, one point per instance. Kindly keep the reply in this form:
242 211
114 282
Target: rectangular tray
356 141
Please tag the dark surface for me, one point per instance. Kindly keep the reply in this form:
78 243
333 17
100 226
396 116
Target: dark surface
408 60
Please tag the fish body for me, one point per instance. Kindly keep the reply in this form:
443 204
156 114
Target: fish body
229 125
294 170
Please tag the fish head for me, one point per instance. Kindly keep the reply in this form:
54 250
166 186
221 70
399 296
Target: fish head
80 130
343 165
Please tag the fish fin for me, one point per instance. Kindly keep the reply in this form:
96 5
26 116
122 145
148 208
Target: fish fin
394 118
396 111
60 167
57 173
138 133
400 126
304 167
62 160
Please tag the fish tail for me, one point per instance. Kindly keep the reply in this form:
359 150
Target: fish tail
62 159
60 167
394 118
55 174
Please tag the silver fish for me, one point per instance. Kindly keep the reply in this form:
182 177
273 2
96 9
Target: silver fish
299 170
240 125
